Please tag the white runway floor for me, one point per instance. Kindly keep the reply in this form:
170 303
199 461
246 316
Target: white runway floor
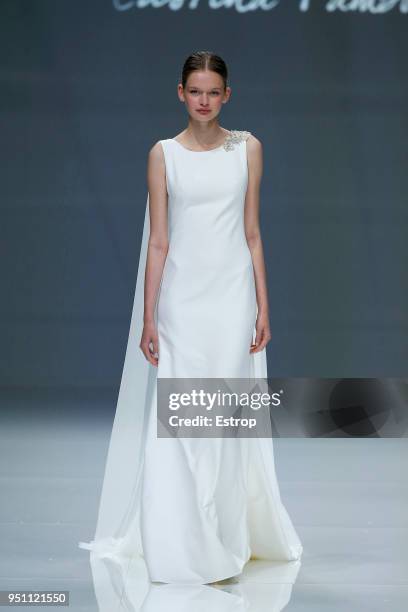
347 498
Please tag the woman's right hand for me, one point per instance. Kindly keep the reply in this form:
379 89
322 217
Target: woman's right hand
150 337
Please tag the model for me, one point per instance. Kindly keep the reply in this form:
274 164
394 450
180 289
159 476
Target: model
196 509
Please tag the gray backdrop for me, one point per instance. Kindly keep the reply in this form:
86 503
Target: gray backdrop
87 88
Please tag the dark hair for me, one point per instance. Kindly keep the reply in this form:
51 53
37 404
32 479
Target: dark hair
204 60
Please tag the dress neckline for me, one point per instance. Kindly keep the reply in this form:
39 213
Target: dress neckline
206 151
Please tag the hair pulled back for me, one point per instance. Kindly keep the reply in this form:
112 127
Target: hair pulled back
204 60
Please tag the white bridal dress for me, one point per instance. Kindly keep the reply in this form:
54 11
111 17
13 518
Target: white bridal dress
195 509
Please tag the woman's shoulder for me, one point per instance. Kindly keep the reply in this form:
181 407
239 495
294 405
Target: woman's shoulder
253 142
156 156
237 136
241 134
156 150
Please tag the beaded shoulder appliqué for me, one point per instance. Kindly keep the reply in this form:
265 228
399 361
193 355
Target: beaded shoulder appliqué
235 137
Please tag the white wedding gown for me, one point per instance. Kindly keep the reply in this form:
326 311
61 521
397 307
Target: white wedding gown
196 509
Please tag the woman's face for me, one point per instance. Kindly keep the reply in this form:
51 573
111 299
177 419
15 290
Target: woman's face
204 94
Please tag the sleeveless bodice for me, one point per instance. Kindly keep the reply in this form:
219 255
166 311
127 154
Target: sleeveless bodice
206 199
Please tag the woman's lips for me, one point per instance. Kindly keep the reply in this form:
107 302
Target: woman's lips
203 112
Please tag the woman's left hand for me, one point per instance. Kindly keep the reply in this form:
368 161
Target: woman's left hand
263 333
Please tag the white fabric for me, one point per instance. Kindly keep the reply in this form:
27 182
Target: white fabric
196 509
124 587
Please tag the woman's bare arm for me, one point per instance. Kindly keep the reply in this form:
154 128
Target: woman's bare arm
157 248
254 240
